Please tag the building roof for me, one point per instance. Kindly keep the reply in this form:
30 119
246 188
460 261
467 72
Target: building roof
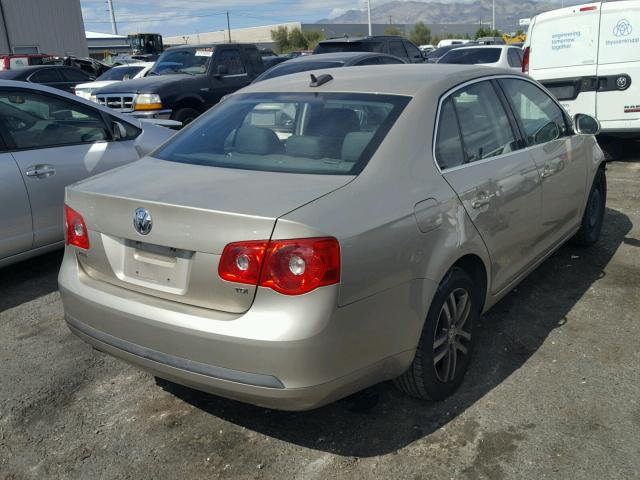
95 35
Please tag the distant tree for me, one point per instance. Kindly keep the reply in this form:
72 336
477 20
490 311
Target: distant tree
421 34
391 30
519 32
280 36
313 37
297 40
487 32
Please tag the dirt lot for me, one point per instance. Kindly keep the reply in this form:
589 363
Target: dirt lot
554 391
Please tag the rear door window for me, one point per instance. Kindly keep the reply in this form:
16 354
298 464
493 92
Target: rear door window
396 48
231 60
484 124
449 151
543 120
72 75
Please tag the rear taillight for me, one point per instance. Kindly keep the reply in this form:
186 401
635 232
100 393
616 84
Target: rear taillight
290 267
76 233
241 262
5 64
525 60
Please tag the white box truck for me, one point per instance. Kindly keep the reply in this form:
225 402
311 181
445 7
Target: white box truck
588 56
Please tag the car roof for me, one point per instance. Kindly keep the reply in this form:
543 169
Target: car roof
209 45
381 79
474 47
336 57
359 39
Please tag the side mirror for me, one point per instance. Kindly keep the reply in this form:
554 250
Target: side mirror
547 133
586 124
119 132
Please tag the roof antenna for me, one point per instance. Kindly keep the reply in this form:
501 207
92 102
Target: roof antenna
320 80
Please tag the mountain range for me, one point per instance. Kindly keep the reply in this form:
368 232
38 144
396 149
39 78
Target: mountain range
508 12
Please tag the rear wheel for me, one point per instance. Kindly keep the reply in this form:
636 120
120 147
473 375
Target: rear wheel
593 216
185 115
447 340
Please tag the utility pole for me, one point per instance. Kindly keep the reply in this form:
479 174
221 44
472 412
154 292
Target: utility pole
114 27
493 15
228 26
369 15
390 22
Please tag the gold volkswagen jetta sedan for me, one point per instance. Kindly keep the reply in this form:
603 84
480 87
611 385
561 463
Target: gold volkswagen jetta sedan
314 235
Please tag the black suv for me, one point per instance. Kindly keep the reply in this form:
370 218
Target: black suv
185 81
393 45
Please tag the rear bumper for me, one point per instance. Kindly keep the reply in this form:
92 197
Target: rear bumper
279 354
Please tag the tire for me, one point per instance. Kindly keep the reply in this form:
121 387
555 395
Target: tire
593 216
429 377
185 115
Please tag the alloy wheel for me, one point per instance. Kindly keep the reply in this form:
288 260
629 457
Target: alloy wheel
451 339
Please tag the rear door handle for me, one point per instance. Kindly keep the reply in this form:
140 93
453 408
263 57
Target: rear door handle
40 171
480 202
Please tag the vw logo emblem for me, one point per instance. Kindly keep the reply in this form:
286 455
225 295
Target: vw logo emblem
623 28
142 221
621 83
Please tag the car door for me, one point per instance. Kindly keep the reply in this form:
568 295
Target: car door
16 233
229 73
55 142
618 96
478 151
557 154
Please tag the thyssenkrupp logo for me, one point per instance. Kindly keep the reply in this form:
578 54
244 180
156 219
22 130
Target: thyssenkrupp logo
623 28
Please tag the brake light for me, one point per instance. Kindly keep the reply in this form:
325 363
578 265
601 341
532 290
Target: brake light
241 262
525 60
5 63
290 267
76 233
588 9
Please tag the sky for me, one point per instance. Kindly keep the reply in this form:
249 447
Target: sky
175 17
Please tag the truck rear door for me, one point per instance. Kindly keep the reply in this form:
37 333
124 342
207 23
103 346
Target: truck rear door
564 54
618 97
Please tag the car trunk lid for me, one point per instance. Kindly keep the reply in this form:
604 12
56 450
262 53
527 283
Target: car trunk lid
195 211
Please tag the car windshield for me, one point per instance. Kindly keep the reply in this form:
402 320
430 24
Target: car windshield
295 67
471 56
334 47
192 61
321 133
120 73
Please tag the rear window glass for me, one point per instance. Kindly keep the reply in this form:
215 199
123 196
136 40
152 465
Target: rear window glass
472 56
333 47
322 133
296 67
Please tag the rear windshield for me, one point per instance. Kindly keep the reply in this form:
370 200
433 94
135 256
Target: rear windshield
322 133
334 47
295 67
120 73
472 56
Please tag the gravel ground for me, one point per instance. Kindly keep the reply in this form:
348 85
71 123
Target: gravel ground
554 391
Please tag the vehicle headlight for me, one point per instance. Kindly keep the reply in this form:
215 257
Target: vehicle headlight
148 101
93 98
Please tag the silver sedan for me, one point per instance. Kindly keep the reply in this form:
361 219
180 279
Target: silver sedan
48 140
316 234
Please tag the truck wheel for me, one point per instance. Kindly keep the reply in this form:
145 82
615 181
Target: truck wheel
185 115
447 340
593 216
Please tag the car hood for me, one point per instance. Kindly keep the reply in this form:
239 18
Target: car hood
150 84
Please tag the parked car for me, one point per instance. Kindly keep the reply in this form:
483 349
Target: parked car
18 60
329 60
185 81
392 45
63 78
588 56
306 239
447 42
499 56
48 140
114 75
434 55
91 66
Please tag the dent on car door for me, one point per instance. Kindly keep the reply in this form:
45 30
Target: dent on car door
56 142
559 156
478 151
